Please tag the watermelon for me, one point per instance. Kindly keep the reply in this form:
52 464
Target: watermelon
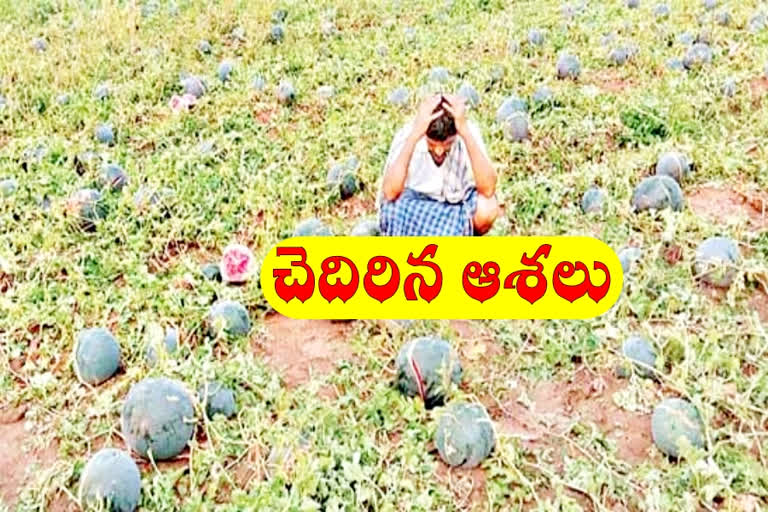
97 355
193 85
470 94
170 343
312 227
62 99
628 256
237 264
674 164
715 261
217 399
656 193
593 200
640 353
709 4
326 92
465 435
276 34
686 38
279 15
286 94
204 46
238 34
328 29
367 227
228 317
543 95
259 83
3 102
87 207
114 177
110 481
211 271
673 420
535 37
757 23
619 56
158 418
633 4
568 66
675 64
729 87
661 11
8 187
439 74
225 70
399 97
105 133
516 127
723 18
697 56
511 105
382 50
39 44
410 34
343 176
101 92
426 367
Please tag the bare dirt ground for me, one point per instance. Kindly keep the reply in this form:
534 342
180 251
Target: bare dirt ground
722 205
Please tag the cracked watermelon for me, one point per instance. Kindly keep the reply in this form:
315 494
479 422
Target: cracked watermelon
426 367
237 264
465 435
158 418
674 420
97 355
110 481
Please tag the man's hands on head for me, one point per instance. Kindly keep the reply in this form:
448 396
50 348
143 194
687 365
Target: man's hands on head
425 115
457 107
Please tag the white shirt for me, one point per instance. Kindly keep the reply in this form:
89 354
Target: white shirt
450 182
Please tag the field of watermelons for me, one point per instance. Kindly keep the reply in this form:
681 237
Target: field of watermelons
152 152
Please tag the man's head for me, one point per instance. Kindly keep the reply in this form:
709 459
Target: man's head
441 135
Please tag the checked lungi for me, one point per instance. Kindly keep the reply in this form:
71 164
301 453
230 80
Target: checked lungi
416 214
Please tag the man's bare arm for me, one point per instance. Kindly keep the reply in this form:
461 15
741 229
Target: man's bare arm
397 172
482 168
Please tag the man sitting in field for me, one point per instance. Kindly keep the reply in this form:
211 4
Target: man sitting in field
438 179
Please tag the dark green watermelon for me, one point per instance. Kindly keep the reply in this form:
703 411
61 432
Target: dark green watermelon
211 271
656 193
111 481
97 355
312 227
158 418
674 164
593 200
114 177
427 367
465 435
640 353
673 420
228 317
217 399
716 260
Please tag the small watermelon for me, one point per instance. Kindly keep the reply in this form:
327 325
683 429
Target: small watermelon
39 44
661 11
715 261
228 317
629 256
673 420
110 481
543 95
312 227
158 418
439 74
511 105
697 56
279 15
8 187
593 200
193 85
237 264
97 355
87 207
619 56
724 18
465 435
729 87
367 227
516 127
204 46
225 70
568 66
326 92
169 344
101 92
656 193
105 133
470 94
399 97
211 271
114 177
427 367
674 164
535 37
276 34
286 93
217 399
640 353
